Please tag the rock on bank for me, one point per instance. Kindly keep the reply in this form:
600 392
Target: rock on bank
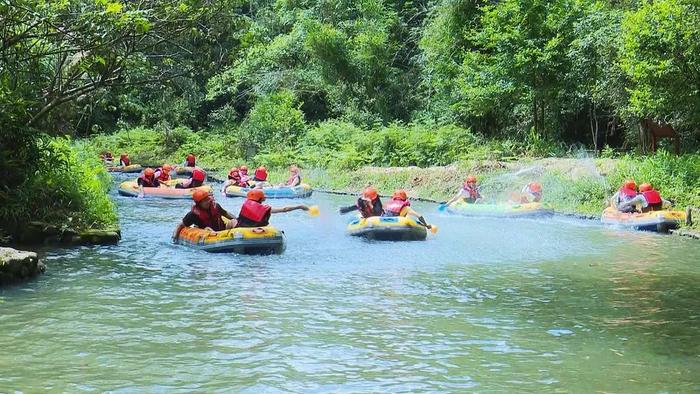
17 265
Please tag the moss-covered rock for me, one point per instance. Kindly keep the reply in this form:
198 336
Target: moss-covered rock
17 265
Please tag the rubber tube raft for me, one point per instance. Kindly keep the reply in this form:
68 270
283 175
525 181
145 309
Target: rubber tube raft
301 191
387 229
126 169
257 240
180 170
131 189
659 221
533 209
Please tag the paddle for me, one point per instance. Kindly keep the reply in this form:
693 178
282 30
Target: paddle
433 229
314 211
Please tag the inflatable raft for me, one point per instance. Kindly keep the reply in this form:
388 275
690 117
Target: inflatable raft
258 240
180 170
301 191
387 229
131 189
532 209
660 221
126 169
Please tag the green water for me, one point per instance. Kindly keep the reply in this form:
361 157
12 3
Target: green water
485 305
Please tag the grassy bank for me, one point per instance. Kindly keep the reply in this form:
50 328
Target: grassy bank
429 163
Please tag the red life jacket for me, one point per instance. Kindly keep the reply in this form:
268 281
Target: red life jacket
473 191
162 175
190 160
211 218
198 175
291 179
627 194
255 212
652 196
394 207
124 159
260 175
147 182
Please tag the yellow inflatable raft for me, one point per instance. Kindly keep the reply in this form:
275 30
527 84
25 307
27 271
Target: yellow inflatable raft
387 229
660 221
131 189
126 169
258 240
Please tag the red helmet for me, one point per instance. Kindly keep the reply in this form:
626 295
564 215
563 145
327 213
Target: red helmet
199 175
645 187
400 195
471 179
535 187
149 172
370 193
630 184
200 195
167 167
261 173
256 195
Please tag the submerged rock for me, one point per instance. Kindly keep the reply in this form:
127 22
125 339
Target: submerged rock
17 265
48 234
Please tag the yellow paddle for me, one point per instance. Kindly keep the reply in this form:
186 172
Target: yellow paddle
314 211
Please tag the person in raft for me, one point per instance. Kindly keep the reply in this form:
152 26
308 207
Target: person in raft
653 198
205 214
260 177
470 192
190 161
124 160
243 170
256 214
147 179
234 179
532 192
196 180
294 177
626 198
368 204
400 206
163 173
107 158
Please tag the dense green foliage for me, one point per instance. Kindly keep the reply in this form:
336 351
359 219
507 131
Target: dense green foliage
341 84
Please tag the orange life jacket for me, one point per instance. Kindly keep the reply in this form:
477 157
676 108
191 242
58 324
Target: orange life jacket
394 207
211 218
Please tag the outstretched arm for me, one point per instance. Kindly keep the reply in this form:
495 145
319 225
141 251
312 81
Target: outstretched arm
455 198
289 208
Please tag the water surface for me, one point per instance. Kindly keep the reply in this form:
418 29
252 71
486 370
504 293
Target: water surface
486 305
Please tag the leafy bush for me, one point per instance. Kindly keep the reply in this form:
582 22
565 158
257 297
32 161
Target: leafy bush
68 188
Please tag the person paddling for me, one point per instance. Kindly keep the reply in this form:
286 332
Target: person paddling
124 160
626 198
653 198
256 214
196 180
190 161
470 192
205 214
368 204
400 206
147 179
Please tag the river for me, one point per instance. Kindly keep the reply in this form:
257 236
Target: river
485 305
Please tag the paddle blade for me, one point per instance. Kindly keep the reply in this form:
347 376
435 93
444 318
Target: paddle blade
434 229
442 207
314 211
